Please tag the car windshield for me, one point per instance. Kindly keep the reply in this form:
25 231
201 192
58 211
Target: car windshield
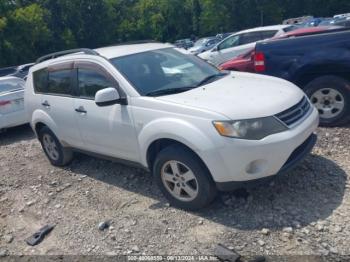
10 85
164 70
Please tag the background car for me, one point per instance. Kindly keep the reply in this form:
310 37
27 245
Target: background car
17 71
184 43
245 62
7 71
241 42
224 35
319 64
311 22
203 45
22 71
12 111
341 20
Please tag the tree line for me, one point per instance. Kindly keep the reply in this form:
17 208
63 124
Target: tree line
31 28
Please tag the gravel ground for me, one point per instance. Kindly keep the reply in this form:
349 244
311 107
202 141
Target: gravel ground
306 212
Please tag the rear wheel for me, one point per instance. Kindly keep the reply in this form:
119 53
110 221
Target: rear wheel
183 178
331 96
55 152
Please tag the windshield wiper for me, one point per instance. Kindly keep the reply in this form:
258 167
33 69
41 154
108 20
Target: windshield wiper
208 78
169 91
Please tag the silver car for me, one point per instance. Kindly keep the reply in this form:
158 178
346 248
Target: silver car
11 102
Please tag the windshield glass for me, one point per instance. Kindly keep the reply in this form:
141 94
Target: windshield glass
163 69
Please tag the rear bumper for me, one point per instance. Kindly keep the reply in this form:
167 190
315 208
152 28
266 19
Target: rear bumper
295 158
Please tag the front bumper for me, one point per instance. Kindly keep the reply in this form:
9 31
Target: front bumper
236 161
295 158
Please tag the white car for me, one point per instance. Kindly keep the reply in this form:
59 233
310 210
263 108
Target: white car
241 42
11 102
196 128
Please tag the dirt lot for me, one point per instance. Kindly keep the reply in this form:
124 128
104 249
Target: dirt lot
306 212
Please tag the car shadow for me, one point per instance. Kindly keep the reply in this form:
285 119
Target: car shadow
16 134
309 193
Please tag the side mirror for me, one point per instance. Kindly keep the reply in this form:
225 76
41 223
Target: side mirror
106 97
215 49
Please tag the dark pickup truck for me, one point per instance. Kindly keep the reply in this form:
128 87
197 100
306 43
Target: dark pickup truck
319 64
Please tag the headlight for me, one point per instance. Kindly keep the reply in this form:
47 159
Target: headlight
251 129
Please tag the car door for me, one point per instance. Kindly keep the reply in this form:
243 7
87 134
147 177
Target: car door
58 102
106 130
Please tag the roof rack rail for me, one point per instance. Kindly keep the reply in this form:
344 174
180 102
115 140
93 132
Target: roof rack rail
66 52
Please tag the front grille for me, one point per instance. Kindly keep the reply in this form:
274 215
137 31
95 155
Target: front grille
295 113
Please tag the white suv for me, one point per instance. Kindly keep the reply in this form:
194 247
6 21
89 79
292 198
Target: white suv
196 128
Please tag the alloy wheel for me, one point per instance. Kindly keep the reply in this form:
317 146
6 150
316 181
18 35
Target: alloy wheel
50 147
179 181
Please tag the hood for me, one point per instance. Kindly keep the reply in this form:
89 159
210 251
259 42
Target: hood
241 96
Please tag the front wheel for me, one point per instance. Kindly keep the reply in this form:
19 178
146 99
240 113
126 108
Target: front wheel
55 152
331 96
183 178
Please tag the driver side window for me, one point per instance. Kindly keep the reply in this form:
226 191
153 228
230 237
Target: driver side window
91 81
229 42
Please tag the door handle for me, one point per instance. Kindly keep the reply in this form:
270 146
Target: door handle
81 110
46 104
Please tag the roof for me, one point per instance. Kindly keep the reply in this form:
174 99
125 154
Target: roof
264 28
124 50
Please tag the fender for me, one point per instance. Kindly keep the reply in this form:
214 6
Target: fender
181 131
40 116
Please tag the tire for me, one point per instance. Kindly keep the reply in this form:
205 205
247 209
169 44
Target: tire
183 160
62 156
331 96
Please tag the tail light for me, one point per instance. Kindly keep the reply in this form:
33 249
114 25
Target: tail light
259 62
4 103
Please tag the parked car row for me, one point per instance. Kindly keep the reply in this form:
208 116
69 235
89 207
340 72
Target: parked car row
308 21
203 44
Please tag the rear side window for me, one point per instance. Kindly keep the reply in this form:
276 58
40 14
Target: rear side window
40 78
60 82
268 34
250 38
91 81
230 42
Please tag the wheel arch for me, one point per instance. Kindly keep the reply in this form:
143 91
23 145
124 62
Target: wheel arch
307 74
41 119
156 136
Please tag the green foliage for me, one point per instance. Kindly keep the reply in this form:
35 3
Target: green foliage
31 28
25 35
